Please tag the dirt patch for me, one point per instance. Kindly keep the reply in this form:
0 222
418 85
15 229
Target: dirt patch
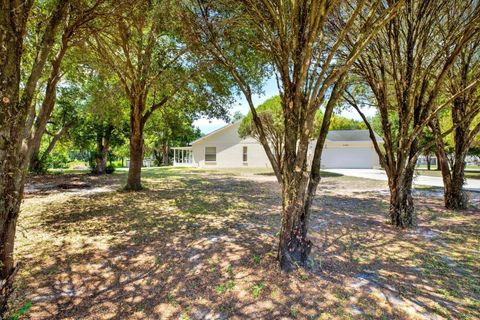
197 245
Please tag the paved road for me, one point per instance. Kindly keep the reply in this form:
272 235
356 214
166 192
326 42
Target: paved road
471 184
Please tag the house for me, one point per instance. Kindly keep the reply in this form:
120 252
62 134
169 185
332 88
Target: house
224 148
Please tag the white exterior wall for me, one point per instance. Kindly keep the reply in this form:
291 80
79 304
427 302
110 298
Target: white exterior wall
230 150
229 147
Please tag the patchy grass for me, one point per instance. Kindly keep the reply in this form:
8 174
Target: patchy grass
198 244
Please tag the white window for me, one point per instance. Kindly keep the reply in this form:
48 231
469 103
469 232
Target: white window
245 154
210 153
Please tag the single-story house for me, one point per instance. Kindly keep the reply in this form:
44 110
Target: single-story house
223 148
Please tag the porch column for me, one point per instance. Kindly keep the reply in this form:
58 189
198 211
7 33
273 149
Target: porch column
174 158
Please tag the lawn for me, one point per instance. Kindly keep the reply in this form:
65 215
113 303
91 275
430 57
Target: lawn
198 244
469 173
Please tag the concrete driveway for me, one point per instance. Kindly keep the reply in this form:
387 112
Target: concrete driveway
375 174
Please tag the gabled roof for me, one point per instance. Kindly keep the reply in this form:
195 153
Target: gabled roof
351 135
333 135
214 132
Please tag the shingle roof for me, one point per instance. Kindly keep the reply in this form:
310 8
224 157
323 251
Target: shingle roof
351 135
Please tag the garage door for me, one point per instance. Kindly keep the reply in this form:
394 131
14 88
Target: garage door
347 158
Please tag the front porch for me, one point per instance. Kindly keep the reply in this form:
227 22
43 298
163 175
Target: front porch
183 157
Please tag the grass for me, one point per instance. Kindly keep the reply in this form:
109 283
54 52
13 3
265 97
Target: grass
469 173
201 244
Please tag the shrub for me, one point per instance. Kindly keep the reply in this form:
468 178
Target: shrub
110 169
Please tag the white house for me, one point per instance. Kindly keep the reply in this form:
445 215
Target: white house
224 148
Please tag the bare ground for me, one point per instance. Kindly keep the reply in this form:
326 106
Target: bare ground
201 245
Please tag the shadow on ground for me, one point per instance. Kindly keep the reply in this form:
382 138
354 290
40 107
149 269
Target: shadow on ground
196 245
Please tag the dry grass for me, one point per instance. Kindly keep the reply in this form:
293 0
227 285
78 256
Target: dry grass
201 245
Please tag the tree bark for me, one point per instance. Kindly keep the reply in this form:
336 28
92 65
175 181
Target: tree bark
165 154
12 118
294 247
453 175
438 161
103 146
455 197
46 109
136 146
37 162
402 210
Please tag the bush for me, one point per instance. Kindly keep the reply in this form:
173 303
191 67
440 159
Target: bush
110 169
57 161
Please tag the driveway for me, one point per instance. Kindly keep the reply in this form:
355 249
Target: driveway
375 174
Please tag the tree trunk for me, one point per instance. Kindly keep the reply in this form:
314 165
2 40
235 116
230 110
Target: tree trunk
36 165
298 187
402 210
103 146
136 162
9 212
37 162
165 154
12 118
429 162
455 197
14 127
101 162
136 146
453 175
294 247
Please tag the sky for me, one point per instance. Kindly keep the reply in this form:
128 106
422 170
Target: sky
270 89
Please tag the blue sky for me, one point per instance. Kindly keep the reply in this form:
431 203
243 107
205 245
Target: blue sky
270 89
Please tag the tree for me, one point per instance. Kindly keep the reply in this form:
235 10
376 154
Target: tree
271 116
171 127
77 15
23 65
64 117
463 113
237 116
342 123
15 108
106 108
405 71
153 65
292 36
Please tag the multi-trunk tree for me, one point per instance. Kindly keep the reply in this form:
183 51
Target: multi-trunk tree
405 69
77 14
65 116
463 114
301 41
